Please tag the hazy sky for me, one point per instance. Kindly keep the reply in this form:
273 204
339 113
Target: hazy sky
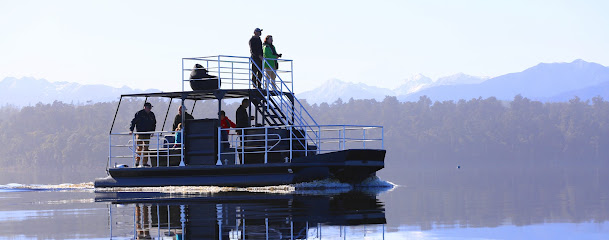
140 43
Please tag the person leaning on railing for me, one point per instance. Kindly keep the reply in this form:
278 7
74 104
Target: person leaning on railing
144 121
225 123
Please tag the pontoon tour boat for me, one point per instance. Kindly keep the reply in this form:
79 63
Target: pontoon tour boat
285 145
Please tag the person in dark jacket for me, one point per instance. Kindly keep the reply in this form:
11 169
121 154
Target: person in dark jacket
144 121
178 119
256 55
242 117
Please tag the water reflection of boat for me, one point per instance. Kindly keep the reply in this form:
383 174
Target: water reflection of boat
238 215
285 144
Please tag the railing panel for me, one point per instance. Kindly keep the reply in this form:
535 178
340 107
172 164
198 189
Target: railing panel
244 146
123 149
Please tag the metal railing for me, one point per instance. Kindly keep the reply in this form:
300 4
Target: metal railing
253 142
123 148
233 72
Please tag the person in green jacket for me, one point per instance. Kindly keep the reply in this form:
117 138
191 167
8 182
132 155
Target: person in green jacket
270 53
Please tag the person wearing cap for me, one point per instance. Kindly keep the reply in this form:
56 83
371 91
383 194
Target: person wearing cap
144 121
256 55
178 119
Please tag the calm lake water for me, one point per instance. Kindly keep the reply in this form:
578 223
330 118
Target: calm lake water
452 204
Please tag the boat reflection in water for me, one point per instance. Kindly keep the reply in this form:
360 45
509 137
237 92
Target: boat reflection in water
244 215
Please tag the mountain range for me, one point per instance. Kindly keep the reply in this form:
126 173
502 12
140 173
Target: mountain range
30 91
543 82
555 82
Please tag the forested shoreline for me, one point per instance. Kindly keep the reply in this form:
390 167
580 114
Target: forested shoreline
476 133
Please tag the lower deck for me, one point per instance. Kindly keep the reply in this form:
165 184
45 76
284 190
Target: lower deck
352 166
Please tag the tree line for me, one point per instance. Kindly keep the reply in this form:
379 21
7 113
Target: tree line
475 133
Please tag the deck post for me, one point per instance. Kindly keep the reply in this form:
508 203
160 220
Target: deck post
219 141
242 146
158 139
182 129
344 137
266 143
364 138
134 149
109 153
382 138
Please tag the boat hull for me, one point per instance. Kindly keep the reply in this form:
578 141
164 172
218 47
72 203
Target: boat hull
351 166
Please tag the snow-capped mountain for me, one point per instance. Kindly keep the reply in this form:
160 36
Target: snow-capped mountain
459 78
334 89
545 82
541 82
413 84
419 82
29 91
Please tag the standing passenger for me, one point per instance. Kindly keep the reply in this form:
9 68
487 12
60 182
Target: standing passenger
178 119
270 53
144 121
242 117
256 55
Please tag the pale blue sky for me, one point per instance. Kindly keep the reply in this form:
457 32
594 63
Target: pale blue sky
140 43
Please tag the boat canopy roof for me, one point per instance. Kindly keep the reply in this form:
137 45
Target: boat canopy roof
203 94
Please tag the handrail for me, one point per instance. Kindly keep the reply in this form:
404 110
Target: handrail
158 147
299 120
331 138
230 70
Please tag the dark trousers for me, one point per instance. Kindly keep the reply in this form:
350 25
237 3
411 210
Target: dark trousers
256 73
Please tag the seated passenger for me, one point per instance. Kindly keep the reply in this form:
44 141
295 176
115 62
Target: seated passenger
200 80
178 138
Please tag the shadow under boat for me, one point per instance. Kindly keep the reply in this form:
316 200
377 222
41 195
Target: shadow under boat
238 215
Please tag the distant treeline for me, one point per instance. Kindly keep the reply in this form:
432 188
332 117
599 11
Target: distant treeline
418 135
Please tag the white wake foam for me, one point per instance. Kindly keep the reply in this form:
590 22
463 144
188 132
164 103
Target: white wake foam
49 187
328 186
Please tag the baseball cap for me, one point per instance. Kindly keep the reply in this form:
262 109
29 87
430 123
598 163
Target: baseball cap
257 30
147 104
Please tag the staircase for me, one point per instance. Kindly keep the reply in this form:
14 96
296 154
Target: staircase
279 107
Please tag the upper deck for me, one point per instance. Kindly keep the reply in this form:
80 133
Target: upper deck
235 72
